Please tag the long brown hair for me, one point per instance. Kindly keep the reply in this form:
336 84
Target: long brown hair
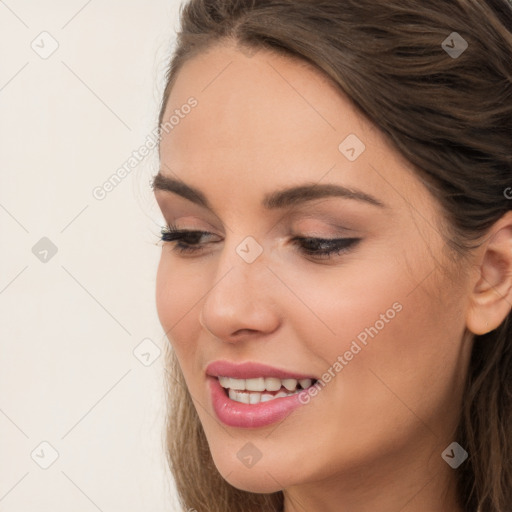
451 117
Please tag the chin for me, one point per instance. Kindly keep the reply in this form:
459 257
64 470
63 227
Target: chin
259 484
262 478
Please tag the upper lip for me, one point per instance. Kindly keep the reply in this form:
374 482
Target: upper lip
250 370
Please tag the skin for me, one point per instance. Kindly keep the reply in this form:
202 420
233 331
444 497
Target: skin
373 436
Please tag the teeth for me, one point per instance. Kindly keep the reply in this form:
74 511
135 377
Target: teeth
272 384
237 384
255 397
305 383
224 382
290 384
255 384
237 396
249 391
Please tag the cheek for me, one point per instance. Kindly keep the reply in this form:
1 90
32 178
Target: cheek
165 298
399 303
177 294
353 302
399 343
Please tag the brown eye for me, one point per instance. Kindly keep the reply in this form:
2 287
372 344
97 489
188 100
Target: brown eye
324 248
187 241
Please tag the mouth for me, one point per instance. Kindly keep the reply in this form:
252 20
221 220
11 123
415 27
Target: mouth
251 394
262 389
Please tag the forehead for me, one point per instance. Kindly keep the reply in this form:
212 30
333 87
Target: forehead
269 120
266 98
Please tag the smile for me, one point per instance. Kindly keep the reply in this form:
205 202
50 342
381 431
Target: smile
252 394
262 389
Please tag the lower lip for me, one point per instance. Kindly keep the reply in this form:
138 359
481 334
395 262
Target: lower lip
236 414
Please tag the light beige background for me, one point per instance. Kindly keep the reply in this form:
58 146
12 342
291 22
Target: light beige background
70 322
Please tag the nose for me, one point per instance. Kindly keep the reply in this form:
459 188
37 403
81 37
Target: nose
241 304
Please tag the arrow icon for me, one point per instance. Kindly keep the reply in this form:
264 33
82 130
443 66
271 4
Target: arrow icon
44 250
249 253
454 455
146 352
351 147
249 455
454 45
44 455
451 455
44 44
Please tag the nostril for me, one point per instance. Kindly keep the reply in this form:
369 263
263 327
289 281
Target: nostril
243 332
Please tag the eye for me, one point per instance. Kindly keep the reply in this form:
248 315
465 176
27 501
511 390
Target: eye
189 242
324 248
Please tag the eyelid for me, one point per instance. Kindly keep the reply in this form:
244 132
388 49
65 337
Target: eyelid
296 215
324 229
190 223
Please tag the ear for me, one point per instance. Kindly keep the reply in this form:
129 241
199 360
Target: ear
490 300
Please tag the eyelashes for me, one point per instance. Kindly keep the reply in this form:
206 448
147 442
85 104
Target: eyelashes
187 242
324 247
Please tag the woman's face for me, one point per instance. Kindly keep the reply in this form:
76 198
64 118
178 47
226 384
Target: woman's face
380 325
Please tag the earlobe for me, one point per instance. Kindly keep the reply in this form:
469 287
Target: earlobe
491 296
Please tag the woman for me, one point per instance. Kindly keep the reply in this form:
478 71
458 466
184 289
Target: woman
336 273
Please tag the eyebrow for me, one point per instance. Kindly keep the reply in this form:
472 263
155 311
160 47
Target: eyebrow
279 199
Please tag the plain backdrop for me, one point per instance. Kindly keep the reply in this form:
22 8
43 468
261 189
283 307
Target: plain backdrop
81 376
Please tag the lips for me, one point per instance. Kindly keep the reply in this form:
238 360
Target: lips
246 407
251 370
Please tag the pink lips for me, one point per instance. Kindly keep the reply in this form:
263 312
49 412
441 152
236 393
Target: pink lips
236 414
250 370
